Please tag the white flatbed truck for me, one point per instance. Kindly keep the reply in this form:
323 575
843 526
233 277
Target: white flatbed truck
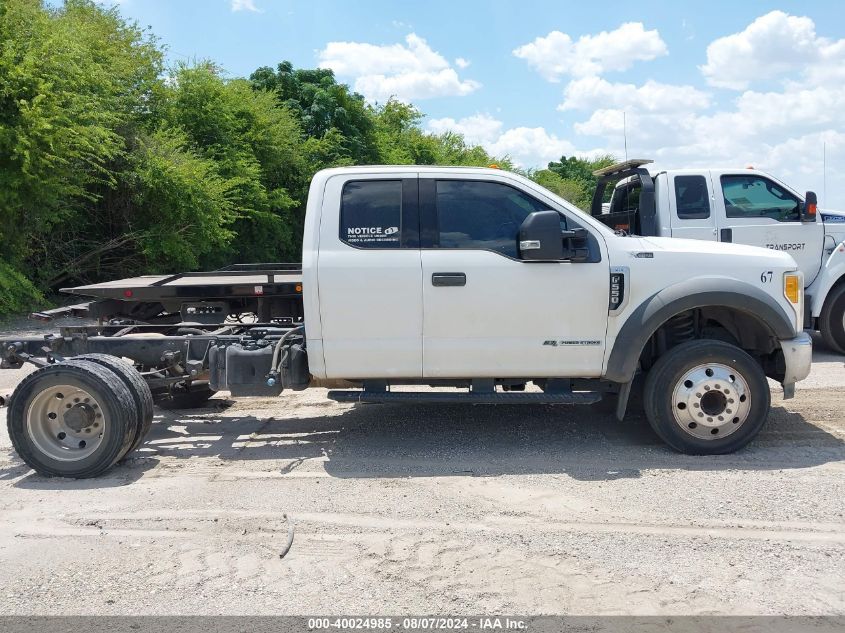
476 281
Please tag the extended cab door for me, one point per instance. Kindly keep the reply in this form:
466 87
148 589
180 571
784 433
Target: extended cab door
488 314
369 277
756 210
690 206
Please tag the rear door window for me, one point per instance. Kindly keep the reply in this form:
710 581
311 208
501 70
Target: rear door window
692 201
371 214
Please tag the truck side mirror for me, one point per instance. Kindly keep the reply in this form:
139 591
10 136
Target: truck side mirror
540 237
808 209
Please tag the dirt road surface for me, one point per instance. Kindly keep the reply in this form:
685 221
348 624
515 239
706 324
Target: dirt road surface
436 509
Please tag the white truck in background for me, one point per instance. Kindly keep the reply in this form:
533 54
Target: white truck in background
741 206
476 281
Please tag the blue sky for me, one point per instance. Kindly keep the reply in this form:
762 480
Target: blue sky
716 83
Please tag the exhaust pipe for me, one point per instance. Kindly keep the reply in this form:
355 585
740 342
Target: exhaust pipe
4 399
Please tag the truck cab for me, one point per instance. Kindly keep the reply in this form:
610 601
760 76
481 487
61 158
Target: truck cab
482 279
742 206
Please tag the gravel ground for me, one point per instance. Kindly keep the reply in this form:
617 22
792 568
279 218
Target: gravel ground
435 509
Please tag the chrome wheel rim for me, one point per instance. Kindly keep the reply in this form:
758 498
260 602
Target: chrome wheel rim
711 401
66 423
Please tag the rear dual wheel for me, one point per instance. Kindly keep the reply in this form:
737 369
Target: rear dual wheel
706 397
138 387
74 419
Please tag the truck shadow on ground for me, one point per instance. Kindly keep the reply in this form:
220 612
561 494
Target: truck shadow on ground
395 441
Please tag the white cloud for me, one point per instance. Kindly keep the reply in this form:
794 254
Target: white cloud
360 58
773 46
779 126
245 5
477 129
460 62
407 71
526 146
531 146
593 92
557 55
780 132
408 86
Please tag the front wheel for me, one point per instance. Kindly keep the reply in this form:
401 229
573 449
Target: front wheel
832 320
706 397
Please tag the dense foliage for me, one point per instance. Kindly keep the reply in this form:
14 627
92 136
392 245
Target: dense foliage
112 164
572 178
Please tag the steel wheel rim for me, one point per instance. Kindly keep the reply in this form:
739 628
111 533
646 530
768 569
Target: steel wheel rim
66 423
711 401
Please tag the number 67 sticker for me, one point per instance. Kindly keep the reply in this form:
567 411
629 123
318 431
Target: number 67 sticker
766 277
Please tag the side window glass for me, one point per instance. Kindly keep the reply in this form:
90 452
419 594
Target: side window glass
371 213
691 199
482 215
753 197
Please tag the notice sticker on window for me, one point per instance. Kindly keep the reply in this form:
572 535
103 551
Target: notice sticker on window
372 234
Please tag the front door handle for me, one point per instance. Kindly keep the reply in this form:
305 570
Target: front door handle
726 235
448 279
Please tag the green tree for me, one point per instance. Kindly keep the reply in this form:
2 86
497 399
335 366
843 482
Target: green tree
186 208
256 146
401 140
572 178
323 107
72 80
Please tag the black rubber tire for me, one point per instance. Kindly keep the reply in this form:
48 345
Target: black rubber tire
116 401
192 399
831 323
669 368
138 387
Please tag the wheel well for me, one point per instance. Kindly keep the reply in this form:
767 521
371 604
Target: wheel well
743 329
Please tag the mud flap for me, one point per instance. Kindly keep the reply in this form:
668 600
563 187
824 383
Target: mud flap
622 399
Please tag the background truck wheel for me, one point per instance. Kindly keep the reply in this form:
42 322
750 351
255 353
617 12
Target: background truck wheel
832 320
138 387
706 397
72 419
191 397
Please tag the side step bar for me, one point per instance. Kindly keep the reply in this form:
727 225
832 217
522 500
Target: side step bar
581 397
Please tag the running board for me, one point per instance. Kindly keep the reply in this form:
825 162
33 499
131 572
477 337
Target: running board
581 397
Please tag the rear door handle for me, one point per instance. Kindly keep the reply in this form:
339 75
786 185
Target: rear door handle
448 279
726 235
